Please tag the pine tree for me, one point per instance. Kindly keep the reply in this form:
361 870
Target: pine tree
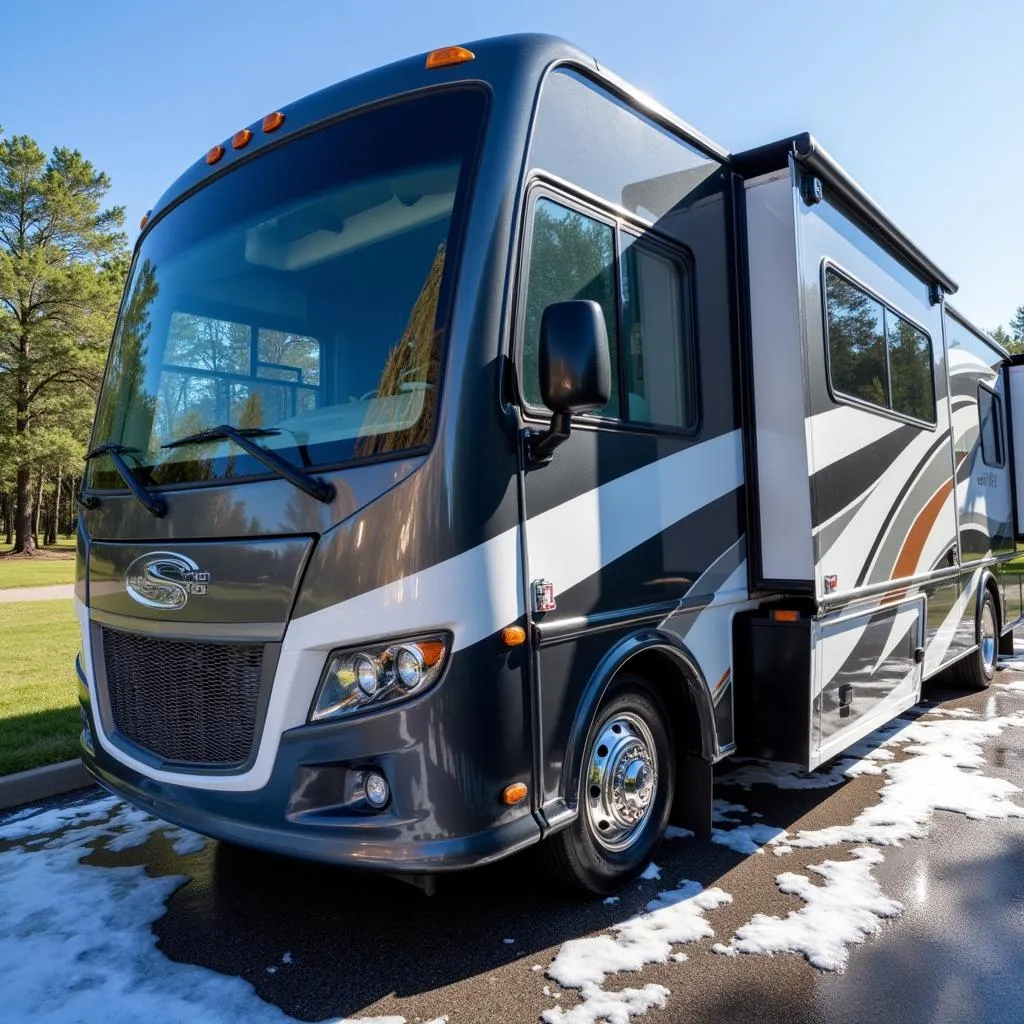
62 263
1017 325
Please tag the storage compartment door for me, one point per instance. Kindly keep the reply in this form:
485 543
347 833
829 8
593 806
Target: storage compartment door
867 670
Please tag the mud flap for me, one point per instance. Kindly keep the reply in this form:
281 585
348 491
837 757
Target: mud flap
692 806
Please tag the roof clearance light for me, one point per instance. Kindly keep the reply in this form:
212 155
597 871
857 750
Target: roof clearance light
241 139
273 121
448 55
214 155
145 220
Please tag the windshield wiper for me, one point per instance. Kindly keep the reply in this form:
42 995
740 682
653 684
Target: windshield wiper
154 506
242 436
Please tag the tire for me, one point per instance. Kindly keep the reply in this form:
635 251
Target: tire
627 785
978 669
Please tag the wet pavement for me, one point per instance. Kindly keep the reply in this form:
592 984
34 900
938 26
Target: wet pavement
322 944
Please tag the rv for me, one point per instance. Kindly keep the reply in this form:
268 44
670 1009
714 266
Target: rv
484 454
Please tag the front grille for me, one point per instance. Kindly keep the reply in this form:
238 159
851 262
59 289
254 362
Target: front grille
183 700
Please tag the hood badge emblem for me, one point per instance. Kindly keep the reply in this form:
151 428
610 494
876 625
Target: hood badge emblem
165 580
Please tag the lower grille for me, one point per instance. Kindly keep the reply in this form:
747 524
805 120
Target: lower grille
185 701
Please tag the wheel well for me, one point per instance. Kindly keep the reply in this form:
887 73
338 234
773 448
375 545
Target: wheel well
668 679
990 586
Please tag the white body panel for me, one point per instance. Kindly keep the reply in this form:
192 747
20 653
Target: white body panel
777 340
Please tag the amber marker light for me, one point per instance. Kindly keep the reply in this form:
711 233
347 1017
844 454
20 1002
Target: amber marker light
241 139
431 650
513 636
273 121
145 220
214 155
785 615
514 794
447 56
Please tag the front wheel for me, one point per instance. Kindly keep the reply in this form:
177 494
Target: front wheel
978 669
627 784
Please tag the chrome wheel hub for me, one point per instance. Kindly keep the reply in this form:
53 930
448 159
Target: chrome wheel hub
622 780
988 636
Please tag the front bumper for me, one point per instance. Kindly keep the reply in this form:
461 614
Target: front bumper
443 814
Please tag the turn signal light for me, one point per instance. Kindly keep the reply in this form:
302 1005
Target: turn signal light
514 794
513 636
241 139
214 155
785 615
273 121
447 56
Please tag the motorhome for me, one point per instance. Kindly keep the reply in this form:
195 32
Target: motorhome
484 454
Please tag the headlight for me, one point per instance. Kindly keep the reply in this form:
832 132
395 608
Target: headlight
368 677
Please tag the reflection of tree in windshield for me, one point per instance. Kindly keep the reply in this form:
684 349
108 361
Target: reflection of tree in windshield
126 411
410 375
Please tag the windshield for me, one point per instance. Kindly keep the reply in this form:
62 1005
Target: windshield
303 294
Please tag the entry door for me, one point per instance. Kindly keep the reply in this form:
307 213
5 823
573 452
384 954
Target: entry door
625 520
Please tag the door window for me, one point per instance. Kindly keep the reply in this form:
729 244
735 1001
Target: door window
573 256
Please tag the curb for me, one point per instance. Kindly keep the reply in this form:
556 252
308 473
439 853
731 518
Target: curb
43 783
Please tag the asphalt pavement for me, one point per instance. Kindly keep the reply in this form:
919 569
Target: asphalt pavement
323 943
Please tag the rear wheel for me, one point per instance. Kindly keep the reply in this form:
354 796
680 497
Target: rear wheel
626 788
978 670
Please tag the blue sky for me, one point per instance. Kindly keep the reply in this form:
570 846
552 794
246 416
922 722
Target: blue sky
921 102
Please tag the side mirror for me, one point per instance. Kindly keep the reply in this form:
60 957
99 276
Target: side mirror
575 369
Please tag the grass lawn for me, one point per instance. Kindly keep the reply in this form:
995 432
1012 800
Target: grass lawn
39 721
55 565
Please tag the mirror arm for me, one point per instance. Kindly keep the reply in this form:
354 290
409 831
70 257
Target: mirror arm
541 444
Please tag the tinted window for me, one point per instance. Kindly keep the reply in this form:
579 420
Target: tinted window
656 369
874 354
910 369
572 256
588 136
856 342
989 413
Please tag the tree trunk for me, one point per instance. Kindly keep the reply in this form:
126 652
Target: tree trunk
55 524
24 542
9 525
39 509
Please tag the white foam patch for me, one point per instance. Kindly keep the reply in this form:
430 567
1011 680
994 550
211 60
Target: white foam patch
858 760
76 941
1017 687
675 916
725 810
676 832
652 872
941 770
845 910
940 773
748 839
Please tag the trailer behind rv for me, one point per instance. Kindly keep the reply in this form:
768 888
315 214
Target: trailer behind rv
484 454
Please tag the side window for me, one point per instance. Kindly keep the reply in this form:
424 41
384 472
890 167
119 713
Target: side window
910 369
874 354
990 415
572 256
656 357
856 341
